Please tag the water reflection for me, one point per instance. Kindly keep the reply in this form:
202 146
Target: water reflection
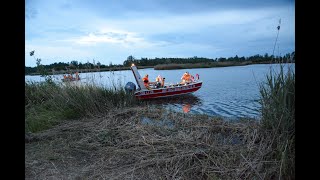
186 108
178 103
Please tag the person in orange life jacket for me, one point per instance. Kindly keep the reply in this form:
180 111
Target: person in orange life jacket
145 80
186 78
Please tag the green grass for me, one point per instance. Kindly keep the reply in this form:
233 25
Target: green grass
46 104
278 117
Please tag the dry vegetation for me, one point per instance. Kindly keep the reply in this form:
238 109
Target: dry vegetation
147 143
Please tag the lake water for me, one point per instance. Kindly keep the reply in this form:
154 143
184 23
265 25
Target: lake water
230 92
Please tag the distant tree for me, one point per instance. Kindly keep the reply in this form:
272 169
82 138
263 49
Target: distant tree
129 61
236 58
88 65
41 69
293 56
221 59
30 70
130 58
74 63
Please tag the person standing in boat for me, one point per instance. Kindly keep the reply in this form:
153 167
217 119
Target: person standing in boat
159 81
162 82
186 78
145 80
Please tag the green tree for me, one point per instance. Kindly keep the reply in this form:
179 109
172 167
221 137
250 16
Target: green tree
41 69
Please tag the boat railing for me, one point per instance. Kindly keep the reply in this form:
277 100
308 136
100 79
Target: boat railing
171 85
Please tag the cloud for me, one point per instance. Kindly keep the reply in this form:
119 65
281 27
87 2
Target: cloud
112 30
192 23
109 37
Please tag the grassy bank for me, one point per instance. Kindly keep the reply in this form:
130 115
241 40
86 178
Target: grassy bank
200 65
46 104
102 133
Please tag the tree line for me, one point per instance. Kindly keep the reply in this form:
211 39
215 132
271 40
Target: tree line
65 66
289 57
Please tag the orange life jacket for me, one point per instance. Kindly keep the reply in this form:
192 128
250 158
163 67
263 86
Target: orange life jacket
186 77
146 81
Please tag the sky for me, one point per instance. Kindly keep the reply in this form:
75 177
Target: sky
108 31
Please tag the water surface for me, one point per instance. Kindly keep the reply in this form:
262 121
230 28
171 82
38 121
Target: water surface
231 92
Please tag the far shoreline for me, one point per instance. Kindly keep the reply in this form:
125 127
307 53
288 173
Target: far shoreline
171 66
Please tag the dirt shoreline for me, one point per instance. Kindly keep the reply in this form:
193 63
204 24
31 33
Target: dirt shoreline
170 145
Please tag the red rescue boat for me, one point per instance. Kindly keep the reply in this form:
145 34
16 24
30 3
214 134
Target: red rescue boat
165 91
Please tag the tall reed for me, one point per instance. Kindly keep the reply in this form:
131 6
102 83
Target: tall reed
278 117
48 103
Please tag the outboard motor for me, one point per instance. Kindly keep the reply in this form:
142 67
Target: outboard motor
130 87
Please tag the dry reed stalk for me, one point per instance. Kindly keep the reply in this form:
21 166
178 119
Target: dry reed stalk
121 146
